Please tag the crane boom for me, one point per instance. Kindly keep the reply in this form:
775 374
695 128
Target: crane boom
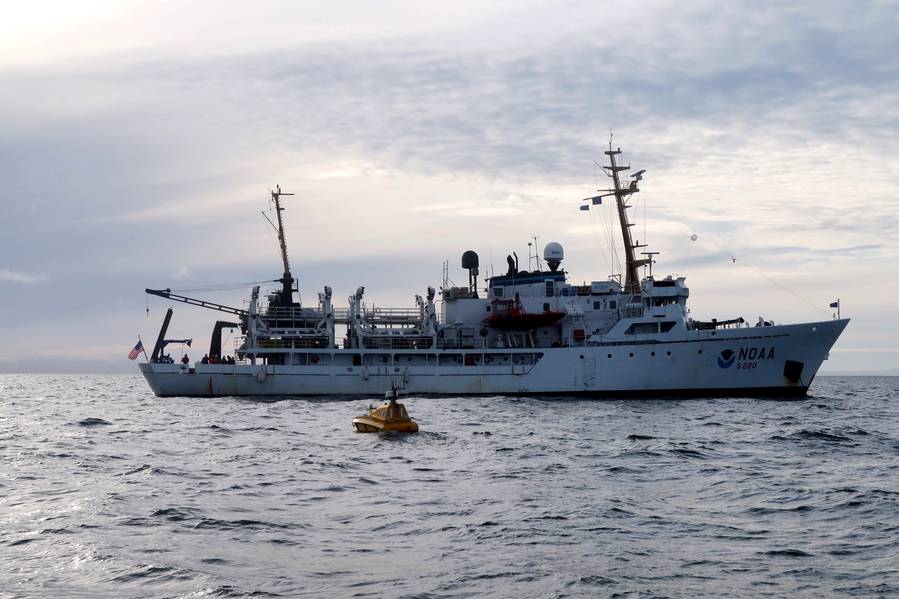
167 294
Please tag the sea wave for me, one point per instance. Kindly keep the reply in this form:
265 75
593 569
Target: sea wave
111 492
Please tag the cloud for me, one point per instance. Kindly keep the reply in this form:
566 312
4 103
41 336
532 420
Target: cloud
10 276
413 132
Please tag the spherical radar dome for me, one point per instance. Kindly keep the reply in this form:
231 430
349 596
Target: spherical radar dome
553 251
553 254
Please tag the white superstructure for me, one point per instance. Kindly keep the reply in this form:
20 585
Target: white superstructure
526 332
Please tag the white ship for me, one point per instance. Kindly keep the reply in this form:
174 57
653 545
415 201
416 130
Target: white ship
526 332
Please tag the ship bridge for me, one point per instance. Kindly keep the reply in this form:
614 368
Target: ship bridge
525 278
551 280
664 292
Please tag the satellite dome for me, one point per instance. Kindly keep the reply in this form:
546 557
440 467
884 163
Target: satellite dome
553 251
470 260
553 254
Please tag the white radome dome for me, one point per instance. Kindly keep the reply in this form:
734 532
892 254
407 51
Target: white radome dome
553 252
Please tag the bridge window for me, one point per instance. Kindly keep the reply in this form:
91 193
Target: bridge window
642 328
667 325
549 288
664 301
597 305
498 291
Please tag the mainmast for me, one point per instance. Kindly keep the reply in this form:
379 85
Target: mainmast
632 277
287 279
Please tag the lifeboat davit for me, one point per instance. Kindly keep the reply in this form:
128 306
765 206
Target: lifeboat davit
389 417
510 315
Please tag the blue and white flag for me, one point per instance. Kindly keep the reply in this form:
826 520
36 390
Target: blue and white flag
835 304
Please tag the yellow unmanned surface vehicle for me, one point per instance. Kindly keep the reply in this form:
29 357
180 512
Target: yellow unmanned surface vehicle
389 417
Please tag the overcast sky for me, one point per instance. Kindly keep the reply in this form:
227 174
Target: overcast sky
138 142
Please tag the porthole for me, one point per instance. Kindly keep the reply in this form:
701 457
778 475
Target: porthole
631 355
700 351
669 353
652 354
610 355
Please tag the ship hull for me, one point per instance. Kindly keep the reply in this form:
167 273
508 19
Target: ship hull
773 361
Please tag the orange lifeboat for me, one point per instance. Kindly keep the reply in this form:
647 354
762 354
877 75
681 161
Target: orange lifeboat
510 315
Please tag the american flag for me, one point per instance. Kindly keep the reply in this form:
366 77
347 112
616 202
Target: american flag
134 353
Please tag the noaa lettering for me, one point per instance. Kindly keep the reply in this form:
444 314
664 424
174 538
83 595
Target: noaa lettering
746 359
756 353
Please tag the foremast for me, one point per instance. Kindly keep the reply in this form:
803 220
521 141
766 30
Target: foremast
621 193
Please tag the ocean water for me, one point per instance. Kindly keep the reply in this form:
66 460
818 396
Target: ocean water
108 491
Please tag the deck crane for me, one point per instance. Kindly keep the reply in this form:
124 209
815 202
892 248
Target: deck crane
215 344
167 294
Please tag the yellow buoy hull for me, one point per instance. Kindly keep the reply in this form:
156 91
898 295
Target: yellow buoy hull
391 417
